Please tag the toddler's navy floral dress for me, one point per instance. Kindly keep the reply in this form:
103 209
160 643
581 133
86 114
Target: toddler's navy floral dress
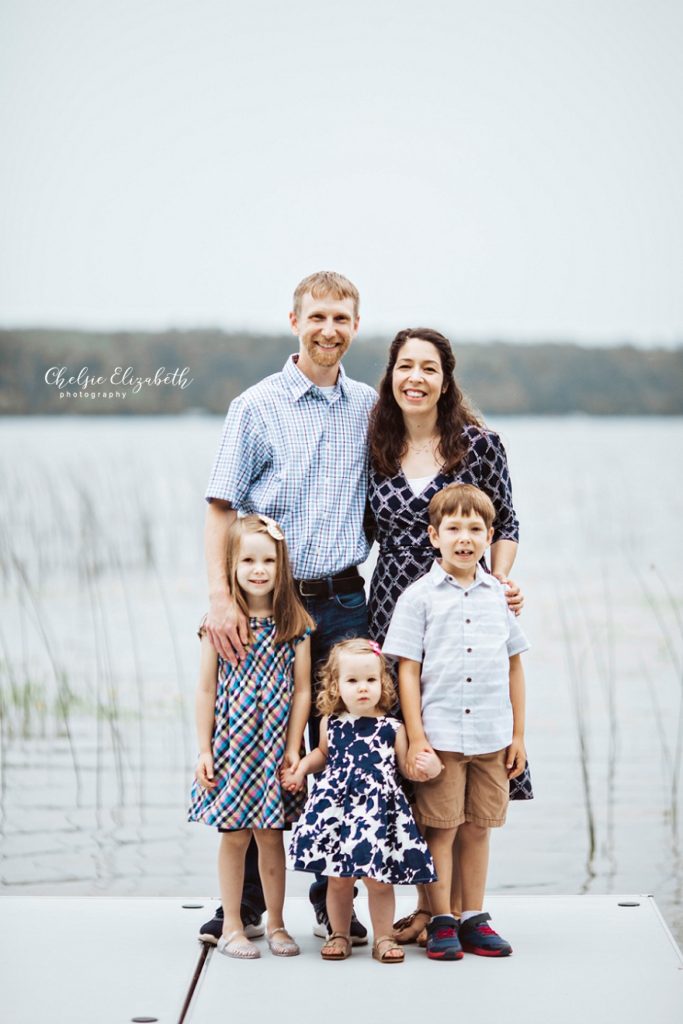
357 822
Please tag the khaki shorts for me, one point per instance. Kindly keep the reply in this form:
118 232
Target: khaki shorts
472 788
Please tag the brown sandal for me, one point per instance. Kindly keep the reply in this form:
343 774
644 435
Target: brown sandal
338 952
384 957
409 929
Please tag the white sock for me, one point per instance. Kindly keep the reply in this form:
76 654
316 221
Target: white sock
467 914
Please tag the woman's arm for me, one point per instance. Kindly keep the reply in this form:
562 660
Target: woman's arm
205 711
503 554
495 481
301 703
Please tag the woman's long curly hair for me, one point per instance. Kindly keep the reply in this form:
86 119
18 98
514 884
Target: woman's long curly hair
387 433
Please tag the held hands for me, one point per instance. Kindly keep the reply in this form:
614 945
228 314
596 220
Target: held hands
515 757
227 628
513 595
429 765
204 771
291 759
292 779
420 760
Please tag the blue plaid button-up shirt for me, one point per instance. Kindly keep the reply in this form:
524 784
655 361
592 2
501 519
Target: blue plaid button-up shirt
291 452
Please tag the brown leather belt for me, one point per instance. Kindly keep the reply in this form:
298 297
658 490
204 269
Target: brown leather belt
348 581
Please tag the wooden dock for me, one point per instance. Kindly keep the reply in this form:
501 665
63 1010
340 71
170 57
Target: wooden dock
607 959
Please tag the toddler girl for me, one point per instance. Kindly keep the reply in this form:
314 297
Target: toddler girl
250 723
357 822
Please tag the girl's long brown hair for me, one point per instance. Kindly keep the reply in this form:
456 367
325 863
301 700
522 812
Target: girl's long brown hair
387 433
291 618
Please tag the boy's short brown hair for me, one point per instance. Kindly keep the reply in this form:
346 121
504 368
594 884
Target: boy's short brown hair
323 283
463 498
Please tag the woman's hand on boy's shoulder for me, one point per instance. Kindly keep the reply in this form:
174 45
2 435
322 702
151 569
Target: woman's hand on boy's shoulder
513 595
204 771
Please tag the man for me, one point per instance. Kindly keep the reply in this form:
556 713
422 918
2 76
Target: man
294 448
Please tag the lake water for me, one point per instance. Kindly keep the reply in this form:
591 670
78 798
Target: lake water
103 586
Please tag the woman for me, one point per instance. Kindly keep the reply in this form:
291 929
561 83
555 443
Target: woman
423 436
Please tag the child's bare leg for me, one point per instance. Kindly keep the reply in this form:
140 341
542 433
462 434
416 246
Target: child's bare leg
440 843
382 905
456 887
271 864
422 896
473 844
231 854
340 904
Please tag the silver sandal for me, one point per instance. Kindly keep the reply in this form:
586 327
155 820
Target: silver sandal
228 947
282 947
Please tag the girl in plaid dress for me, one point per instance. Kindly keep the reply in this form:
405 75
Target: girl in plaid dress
250 723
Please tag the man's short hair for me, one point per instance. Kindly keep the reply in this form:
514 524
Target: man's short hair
324 283
463 498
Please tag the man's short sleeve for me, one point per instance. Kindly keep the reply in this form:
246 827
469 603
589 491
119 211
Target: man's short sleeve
241 457
517 641
405 637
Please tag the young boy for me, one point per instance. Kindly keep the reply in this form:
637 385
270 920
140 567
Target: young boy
462 696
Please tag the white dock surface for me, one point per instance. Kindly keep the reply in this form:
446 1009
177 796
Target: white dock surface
108 961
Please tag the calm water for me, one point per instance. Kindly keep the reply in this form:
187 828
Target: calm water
103 584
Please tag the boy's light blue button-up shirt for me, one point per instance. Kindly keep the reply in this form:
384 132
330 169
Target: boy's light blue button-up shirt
291 452
464 637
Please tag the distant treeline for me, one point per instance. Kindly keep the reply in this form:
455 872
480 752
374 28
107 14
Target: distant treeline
142 373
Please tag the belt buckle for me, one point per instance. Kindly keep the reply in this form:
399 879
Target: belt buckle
300 587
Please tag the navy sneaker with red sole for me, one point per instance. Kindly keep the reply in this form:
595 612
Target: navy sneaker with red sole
442 938
478 937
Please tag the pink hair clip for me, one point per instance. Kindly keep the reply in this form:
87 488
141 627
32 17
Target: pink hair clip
272 527
375 648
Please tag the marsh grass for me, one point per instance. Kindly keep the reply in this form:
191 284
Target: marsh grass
656 604
87 533
581 708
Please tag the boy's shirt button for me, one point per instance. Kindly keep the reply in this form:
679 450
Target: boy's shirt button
467 711
469 650
469 679
468 621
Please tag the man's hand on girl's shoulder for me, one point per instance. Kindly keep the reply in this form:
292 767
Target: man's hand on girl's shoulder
227 629
513 595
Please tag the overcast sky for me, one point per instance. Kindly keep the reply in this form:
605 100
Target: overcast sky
495 169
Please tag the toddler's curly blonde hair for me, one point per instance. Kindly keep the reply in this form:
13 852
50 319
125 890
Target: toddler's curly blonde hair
328 701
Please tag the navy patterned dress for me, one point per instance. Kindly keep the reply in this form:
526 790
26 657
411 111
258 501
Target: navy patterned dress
401 520
357 822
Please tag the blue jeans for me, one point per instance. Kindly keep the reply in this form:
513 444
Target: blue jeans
339 617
